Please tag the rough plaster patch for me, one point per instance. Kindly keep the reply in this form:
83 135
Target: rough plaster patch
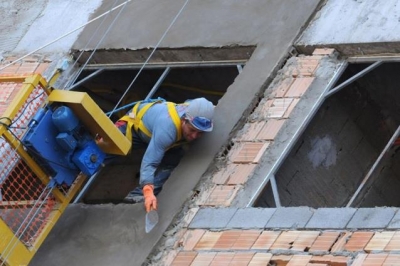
323 152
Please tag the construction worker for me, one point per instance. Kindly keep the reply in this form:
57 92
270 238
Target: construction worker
162 127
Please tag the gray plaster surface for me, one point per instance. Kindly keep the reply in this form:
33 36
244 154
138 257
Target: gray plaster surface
251 218
370 218
33 24
273 27
343 21
330 218
213 218
395 222
291 217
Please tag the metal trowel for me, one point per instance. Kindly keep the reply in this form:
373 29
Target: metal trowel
151 220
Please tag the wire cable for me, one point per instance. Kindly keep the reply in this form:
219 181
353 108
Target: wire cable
151 54
76 75
62 36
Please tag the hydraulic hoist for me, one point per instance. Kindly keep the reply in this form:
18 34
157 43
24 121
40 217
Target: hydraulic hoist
48 148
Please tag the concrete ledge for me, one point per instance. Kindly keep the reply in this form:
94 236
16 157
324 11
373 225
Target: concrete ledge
330 218
250 218
297 218
372 218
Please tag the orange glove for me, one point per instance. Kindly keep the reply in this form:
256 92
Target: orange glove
150 201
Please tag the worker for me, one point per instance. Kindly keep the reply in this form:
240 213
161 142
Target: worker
162 128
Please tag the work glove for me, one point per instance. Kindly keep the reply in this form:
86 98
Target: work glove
150 201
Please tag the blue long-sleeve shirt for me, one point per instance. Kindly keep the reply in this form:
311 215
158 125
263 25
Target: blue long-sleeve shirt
164 134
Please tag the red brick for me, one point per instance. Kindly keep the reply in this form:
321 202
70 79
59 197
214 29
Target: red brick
323 51
283 86
222 175
248 152
285 240
281 260
392 260
299 260
241 174
358 241
184 258
379 241
208 240
266 239
270 129
394 243
204 258
375 259
260 259
325 241
221 195
341 242
305 240
299 87
222 259
190 239
250 131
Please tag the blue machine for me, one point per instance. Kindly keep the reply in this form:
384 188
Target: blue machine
62 146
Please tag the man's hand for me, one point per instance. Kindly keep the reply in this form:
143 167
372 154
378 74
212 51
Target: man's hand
150 201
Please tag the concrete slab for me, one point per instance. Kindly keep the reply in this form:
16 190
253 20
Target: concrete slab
330 218
250 218
372 218
395 222
355 22
213 218
291 217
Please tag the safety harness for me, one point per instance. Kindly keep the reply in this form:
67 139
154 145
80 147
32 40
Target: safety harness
134 119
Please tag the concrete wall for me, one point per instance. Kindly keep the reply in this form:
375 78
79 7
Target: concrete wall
355 27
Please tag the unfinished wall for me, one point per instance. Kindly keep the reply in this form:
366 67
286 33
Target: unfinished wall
341 144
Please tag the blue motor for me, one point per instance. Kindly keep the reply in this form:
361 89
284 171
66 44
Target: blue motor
62 145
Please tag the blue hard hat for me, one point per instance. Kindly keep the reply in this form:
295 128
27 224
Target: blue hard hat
200 113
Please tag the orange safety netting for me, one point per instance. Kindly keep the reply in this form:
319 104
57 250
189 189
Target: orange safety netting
25 202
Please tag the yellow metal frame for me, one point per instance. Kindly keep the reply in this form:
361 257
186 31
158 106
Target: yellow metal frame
11 248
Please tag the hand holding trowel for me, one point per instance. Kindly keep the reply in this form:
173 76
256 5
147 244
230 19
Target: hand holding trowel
150 203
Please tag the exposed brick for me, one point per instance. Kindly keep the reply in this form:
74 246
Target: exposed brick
241 174
242 259
374 259
379 241
299 260
290 108
285 240
392 260
251 130
331 260
359 260
394 243
299 87
27 68
222 175
266 239
227 239
208 240
169 258
222 195
283 86
270 129
341 242
305 240
42 68
204 258
281 260
189 217
184 258
190 239
248 152
358 241
278 108
222 259
325 241
323 51
260 259
246 239
6 89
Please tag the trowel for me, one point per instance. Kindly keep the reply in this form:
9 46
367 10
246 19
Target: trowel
151 220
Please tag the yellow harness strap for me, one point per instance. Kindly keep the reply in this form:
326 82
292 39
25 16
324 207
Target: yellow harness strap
134 119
